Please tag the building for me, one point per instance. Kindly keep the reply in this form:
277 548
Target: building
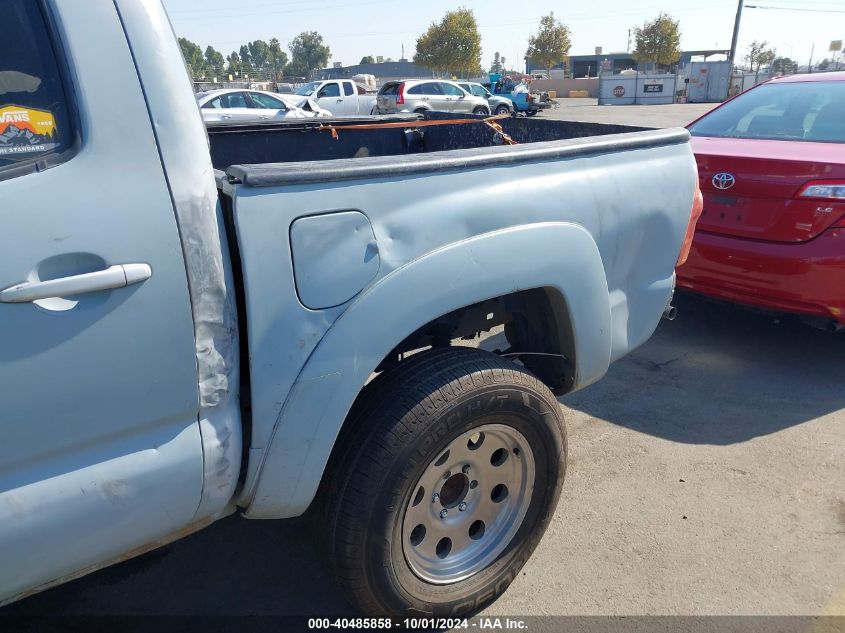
592 65
385 71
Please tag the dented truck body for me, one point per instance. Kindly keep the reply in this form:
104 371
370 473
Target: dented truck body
137 413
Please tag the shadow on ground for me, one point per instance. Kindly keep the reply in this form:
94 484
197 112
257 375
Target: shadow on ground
719 375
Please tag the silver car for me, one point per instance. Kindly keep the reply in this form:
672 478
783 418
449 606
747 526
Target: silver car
498 105
255 105
424 95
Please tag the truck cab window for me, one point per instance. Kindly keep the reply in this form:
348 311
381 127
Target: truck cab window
35 124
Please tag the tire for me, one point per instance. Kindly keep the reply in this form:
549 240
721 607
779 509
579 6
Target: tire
503 109
420 111
532 112
481 110
394 441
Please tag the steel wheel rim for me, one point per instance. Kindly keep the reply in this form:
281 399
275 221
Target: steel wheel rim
473 494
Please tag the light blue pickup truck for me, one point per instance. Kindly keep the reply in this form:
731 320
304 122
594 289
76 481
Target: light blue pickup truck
259 318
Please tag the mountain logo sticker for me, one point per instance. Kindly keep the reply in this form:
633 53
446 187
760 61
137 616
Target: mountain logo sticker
26 130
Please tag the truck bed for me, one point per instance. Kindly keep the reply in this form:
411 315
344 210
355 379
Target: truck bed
348 246
313 140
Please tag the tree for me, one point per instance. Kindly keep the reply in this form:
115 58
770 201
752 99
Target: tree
194 59
497 66
259 54
234 62
551 44
246 60
824 64
367 59
278 59
307 53
214 61
452 45
784 65
759 54
658 42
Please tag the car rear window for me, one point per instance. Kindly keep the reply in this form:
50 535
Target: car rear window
389 89
803 111
35 122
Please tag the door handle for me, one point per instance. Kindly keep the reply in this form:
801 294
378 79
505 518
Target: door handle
226 116
117 276
340 100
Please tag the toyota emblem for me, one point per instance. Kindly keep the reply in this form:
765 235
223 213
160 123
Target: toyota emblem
723 180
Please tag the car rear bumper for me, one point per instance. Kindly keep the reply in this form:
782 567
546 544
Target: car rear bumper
806 278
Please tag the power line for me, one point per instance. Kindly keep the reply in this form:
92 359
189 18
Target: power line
758 6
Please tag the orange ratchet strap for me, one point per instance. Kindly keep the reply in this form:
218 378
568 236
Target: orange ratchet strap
488 121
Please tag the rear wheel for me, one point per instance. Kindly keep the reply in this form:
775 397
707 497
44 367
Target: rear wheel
443 484
503 109
420 111
481 110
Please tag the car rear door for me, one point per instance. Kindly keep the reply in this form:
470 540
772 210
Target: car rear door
101 451
433 96
456 98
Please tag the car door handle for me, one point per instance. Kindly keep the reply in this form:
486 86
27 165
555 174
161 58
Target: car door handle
117 276
263 116
340 100
226 116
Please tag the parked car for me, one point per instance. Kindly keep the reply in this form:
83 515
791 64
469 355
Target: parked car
343 98
772 168
198 320
252 105
423 95
498 105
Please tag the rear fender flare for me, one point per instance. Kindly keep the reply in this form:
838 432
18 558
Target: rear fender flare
562 257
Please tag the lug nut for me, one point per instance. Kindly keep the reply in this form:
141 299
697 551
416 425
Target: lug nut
465 470
435 498
462 506
447 474
443 513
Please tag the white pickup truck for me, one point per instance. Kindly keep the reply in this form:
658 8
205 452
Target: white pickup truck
341 97
259 318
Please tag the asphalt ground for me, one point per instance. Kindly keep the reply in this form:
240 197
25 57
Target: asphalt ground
705 478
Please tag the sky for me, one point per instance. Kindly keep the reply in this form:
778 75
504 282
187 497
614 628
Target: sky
353 29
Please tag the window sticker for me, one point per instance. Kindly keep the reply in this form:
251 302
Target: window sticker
26 130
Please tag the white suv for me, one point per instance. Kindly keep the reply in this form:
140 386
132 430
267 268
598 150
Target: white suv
423 95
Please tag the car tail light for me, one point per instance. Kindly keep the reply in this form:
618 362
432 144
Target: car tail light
400 94
695 213
823 190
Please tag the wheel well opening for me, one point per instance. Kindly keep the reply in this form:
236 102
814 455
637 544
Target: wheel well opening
537 328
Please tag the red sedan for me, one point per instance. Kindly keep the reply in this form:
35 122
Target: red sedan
771 163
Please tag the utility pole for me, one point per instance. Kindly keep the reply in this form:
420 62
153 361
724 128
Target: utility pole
736 34
628 49
812 52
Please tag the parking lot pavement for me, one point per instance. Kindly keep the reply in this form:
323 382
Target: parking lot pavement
705 477
671 115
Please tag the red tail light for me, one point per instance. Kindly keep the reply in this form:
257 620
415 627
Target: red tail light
695 213
400 94
823 190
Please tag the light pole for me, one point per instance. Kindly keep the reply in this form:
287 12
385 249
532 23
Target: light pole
736 33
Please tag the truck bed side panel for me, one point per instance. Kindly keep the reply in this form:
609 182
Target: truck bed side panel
634 205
